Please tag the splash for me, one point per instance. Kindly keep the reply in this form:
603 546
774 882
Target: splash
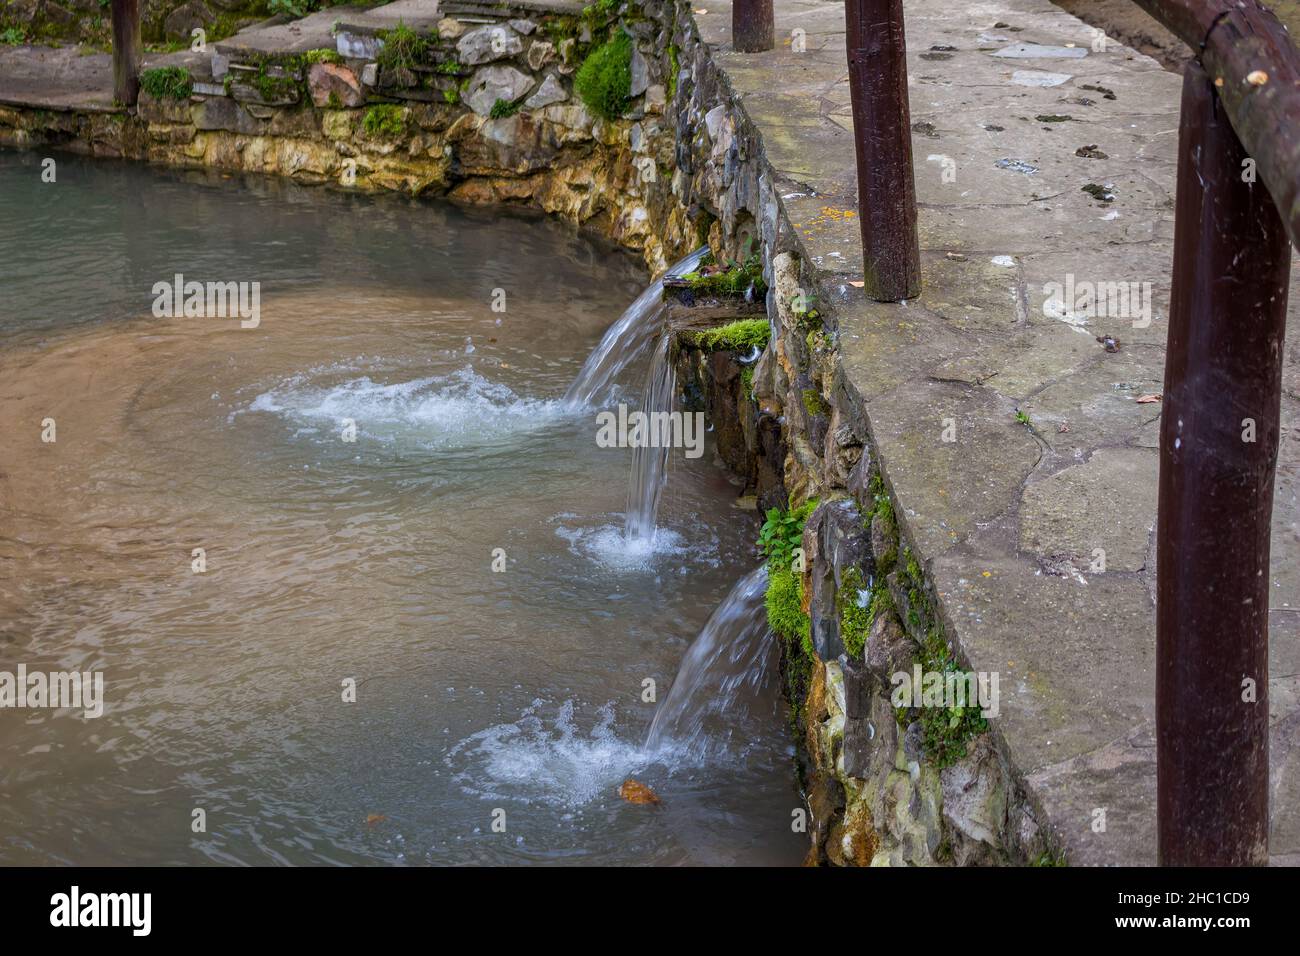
440 411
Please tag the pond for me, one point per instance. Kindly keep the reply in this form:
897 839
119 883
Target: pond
373 492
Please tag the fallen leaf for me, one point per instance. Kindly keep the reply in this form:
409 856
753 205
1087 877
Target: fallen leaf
856 285
375 818
634 792
1149 399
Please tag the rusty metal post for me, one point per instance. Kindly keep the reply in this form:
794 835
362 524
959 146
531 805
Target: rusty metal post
126 51
882 135
753 26
1218 454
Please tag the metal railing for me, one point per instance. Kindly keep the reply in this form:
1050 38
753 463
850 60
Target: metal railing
1237 213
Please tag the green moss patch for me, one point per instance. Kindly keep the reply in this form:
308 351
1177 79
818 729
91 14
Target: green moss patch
604 81
730 280
385 120
738 336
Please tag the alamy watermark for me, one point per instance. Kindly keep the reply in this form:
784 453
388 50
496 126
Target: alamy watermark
1075 302
53 689
624 429
922 688
208 300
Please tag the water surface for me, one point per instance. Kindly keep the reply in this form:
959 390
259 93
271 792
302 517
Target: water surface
518 691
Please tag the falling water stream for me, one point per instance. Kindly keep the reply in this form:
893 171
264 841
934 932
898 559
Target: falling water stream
624 341
650 460
371 560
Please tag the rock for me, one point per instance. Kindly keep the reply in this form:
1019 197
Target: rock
185 18
525 27
834 540
640 73
655 98
450 28
540 54
492 83
370 74
357 46
334 85
634 792
551 91
974 801
488 43
221 112
889 650
220 65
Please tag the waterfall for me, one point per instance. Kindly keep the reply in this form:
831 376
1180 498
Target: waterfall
649 462
624 341
725 676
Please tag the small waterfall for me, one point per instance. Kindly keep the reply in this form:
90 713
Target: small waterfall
725 676
624 341
649 463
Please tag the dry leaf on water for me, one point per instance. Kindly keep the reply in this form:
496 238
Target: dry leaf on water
634 792
375 818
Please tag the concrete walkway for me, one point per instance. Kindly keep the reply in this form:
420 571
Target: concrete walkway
1039 157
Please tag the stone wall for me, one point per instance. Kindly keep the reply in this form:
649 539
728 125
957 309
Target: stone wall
885 785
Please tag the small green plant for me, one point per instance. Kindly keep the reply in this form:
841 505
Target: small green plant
292 8
167 82
741 335
386 120
403 48
504 108
1022 417
12 36
452 96
604 81
782 532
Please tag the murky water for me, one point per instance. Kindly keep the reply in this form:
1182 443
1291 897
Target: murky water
481 696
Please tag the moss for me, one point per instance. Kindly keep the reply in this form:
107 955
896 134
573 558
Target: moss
747 381
604 81
452 96
1050 858
737 279
814 403
855 619
785 614
386 120
321 56
882 507
741 335
503 108
674 67
167 82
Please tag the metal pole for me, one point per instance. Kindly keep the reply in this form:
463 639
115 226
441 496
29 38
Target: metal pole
1218 454
882 135
752 26
126 51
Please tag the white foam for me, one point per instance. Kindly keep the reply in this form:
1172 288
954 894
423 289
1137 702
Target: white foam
455 410
557 764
